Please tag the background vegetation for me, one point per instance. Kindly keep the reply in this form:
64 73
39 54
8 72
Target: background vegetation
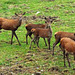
20 60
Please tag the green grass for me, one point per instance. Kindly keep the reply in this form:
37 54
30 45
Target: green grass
64 9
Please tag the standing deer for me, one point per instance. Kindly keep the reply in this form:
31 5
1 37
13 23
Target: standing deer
67 45
61 34
43 26
44 33
11 24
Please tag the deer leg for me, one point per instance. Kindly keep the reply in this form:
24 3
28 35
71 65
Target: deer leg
31 37
28 33
56 42
45 41
48 43
68 59
64 57
27 38
12 38
16 37
37 41
31 42
60 45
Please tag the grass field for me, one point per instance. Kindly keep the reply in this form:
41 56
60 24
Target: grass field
20 60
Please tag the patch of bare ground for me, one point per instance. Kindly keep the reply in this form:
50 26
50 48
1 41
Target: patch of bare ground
35 63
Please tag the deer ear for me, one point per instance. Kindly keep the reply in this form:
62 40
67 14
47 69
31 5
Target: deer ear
24 13
16 14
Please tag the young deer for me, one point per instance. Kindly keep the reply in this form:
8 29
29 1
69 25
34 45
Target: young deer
11 24
68 46
59 35
31 26
44 33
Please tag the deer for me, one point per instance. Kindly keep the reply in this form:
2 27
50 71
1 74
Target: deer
44 33
67 45
60 34
12 25
44 26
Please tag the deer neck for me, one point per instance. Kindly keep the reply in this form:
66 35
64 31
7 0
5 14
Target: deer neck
49 26
19 21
